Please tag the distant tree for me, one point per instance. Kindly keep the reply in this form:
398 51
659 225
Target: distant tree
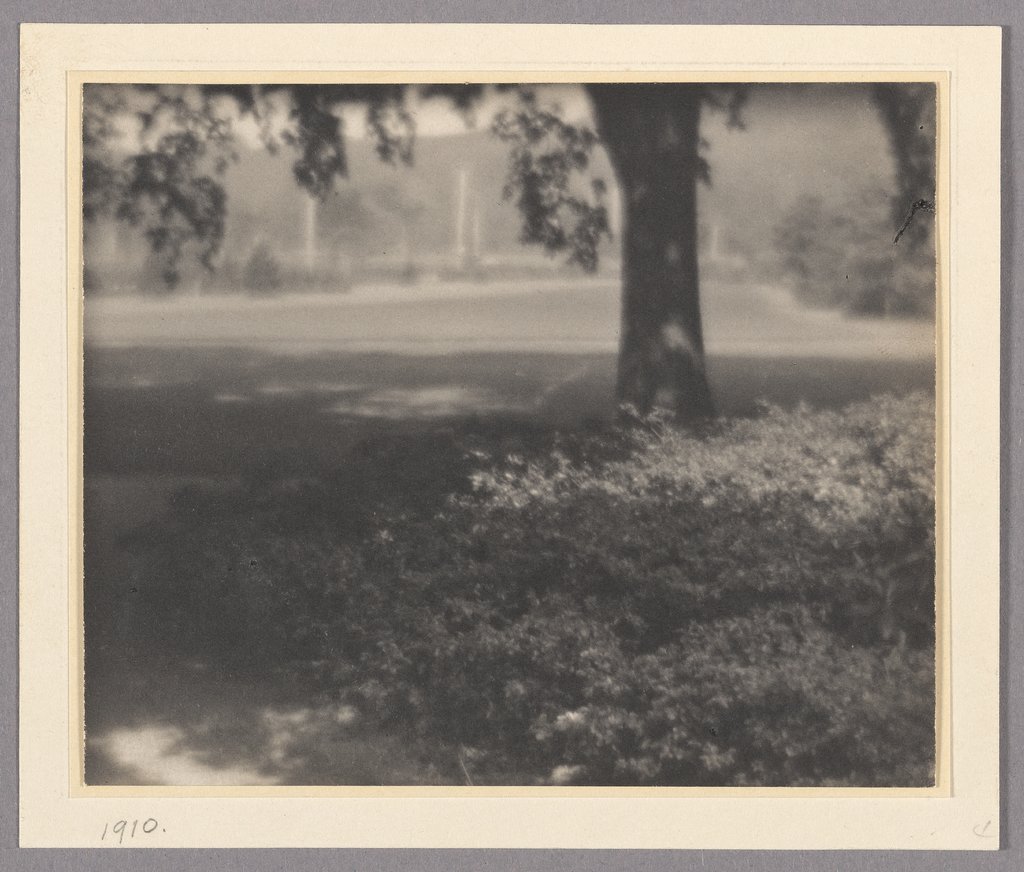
262 274
169 184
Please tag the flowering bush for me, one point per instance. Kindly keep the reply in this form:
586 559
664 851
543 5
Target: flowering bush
753 606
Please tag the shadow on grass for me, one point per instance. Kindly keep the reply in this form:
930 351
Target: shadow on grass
223 411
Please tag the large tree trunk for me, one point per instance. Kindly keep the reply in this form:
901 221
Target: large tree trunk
652 137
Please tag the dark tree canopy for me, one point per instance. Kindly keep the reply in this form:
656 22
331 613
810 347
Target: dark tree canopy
168 182
170 185
908 110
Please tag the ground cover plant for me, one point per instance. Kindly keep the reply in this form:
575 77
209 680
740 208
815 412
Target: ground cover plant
749 605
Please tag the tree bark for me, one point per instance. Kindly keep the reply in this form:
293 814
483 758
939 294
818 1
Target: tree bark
652 135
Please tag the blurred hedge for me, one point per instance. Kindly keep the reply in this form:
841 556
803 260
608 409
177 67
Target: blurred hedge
749 606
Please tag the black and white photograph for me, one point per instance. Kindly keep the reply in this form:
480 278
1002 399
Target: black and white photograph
515 435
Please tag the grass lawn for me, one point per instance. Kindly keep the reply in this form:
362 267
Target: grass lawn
211 428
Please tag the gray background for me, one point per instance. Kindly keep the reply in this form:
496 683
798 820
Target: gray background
1007 13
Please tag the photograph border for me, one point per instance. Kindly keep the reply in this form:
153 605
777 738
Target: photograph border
977 344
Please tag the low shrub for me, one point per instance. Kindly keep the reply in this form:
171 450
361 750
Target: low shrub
262 272
842 256
750 606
